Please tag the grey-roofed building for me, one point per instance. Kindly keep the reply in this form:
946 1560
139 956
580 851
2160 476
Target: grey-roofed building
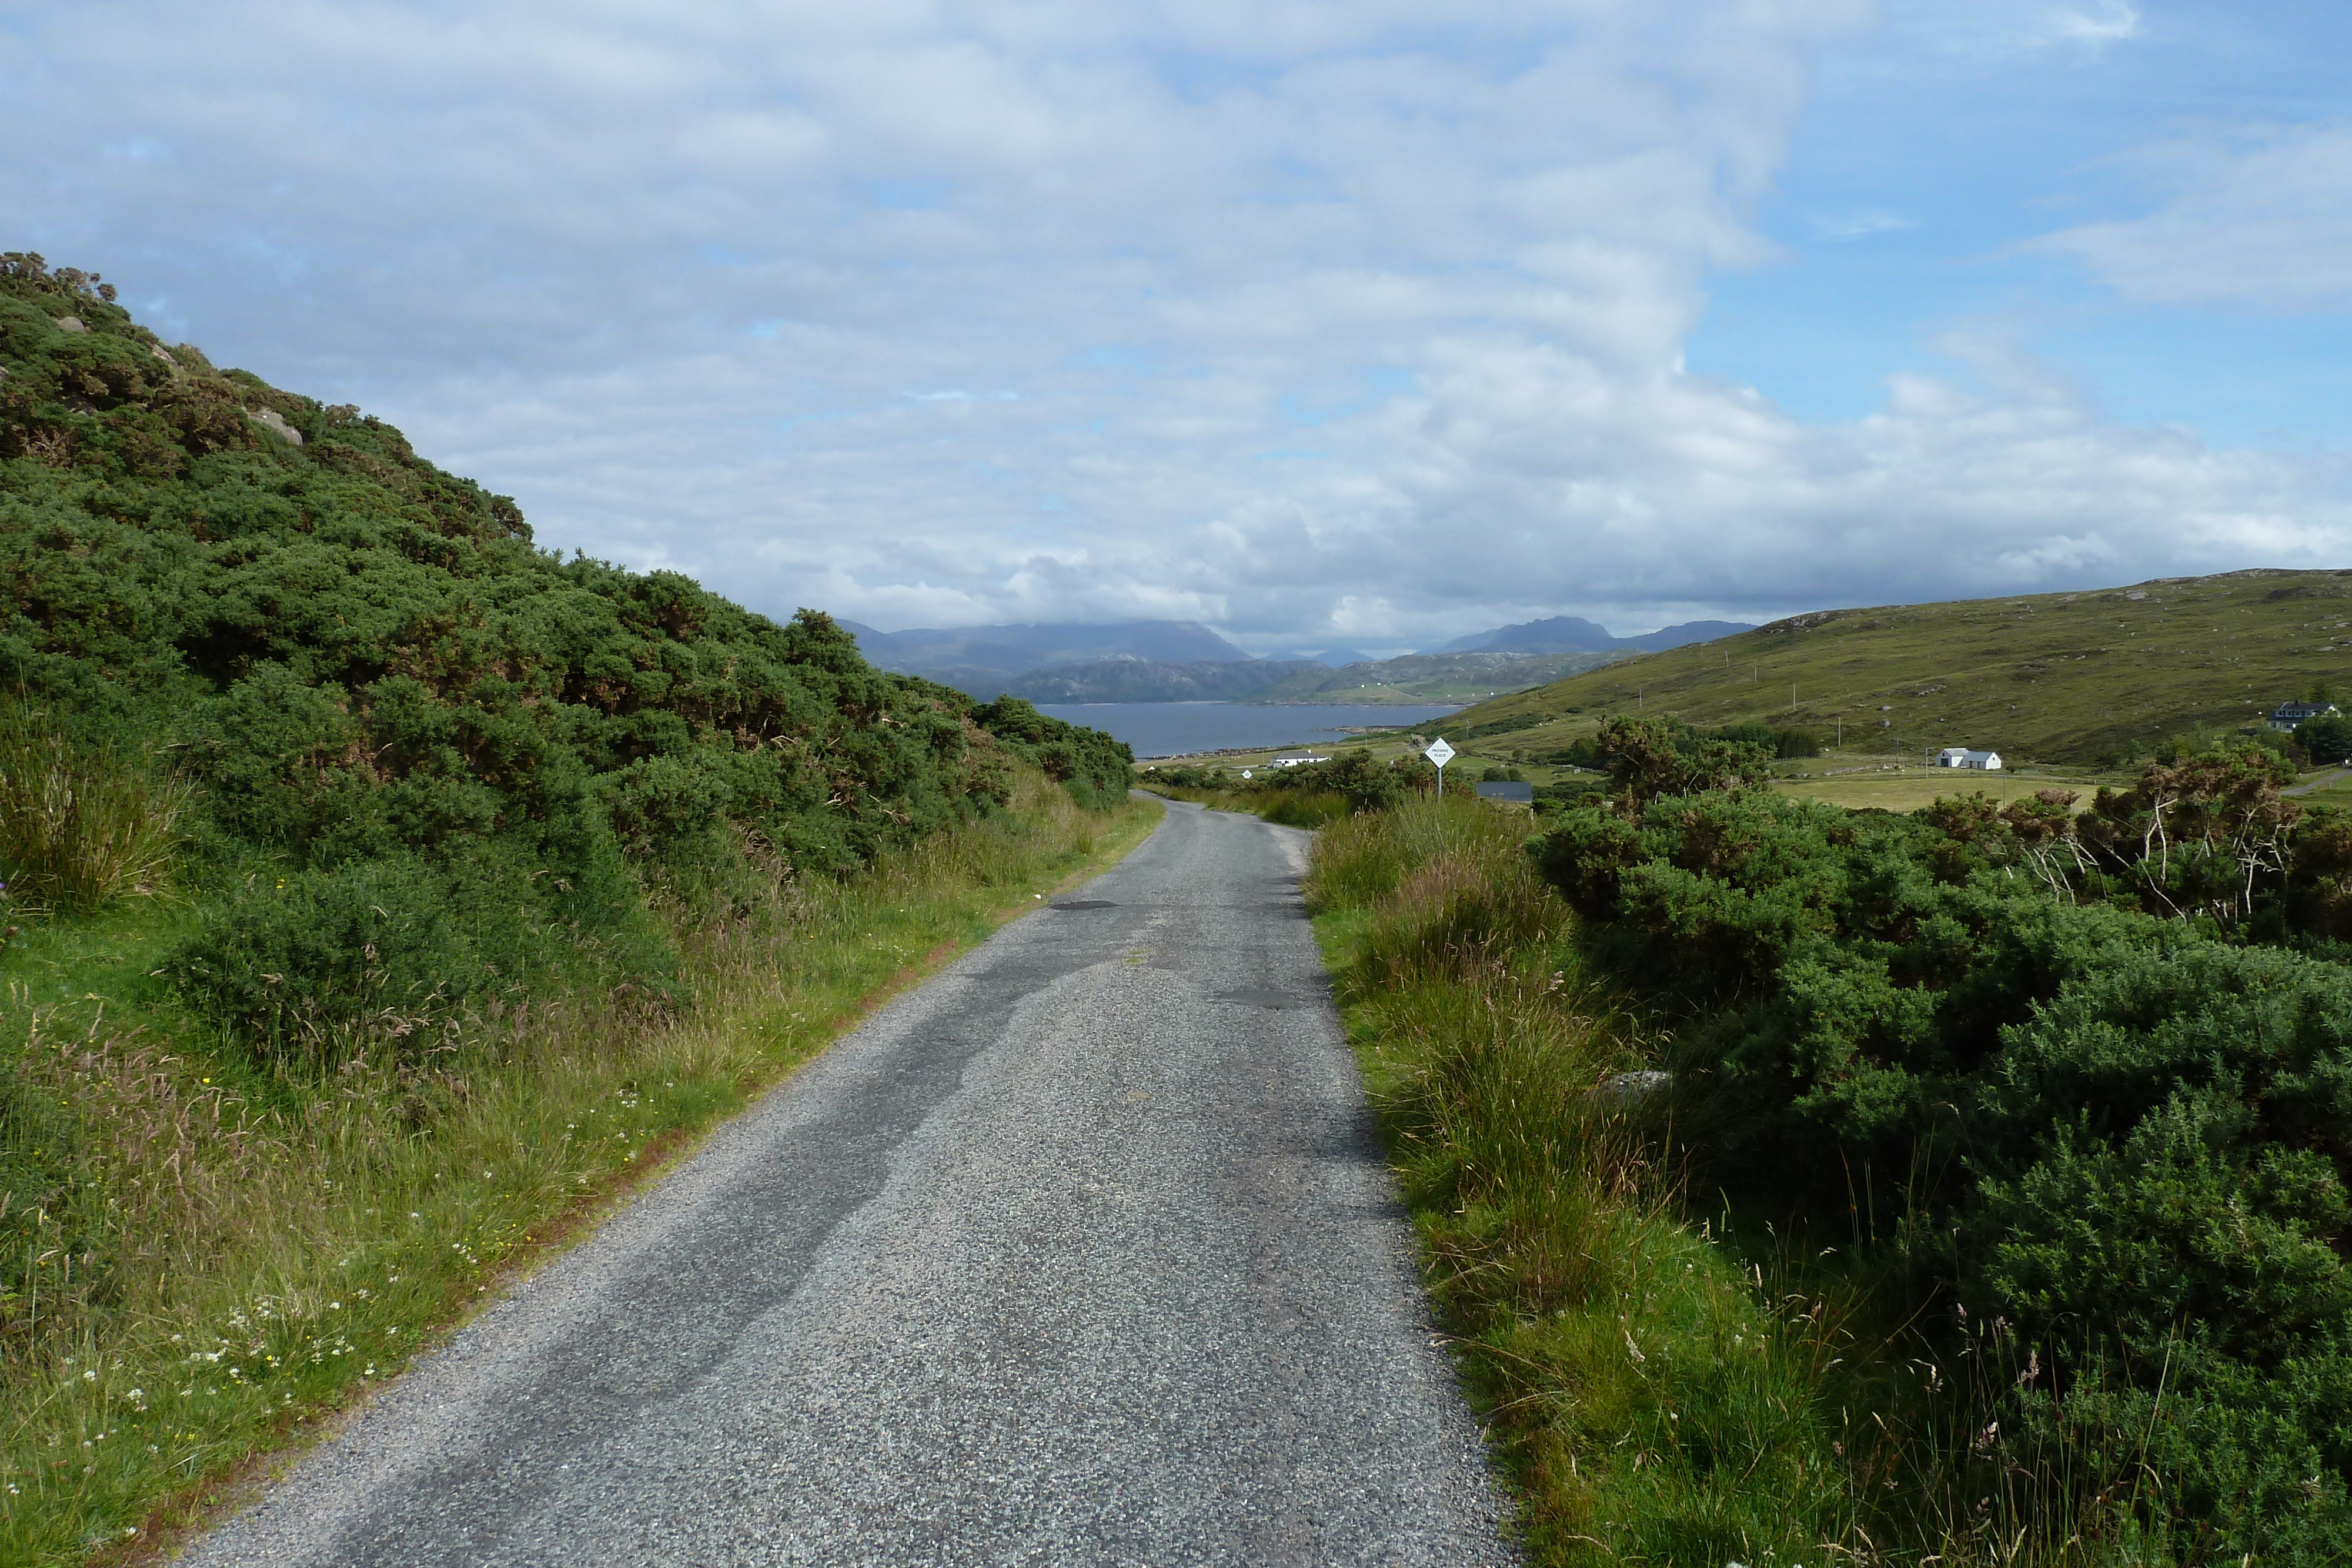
2288 717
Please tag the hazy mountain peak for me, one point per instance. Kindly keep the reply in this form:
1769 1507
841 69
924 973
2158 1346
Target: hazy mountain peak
973 657
1573 635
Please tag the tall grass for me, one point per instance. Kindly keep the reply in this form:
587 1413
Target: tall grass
79 826
1291 807
233 1249
1661 1389
1650 1407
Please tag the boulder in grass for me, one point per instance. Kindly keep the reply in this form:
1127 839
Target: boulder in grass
71 324
276 422
1632 1088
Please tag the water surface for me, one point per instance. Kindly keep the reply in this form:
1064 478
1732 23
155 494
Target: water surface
1170 729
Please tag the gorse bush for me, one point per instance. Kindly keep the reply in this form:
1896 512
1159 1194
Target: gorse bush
2327 738
404 948
424 760
1310 794
1663 737
2124 1136
1097 769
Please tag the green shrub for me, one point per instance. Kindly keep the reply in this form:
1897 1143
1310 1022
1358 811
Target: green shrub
2327 738
312 965
1307 808
1066 752
2123 1135
1781 743
1365 783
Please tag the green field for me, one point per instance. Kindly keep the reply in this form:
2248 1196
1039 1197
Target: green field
2083 678
1906 789
1853 780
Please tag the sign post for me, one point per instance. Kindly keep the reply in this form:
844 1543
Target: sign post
1441 754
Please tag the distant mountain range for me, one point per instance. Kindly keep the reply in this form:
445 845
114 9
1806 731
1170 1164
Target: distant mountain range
1183 661
987 660
1414 678
1572 634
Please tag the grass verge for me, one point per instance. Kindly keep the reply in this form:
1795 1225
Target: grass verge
237 1253
1662 1386
1648 1405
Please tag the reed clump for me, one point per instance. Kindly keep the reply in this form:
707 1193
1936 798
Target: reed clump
81 825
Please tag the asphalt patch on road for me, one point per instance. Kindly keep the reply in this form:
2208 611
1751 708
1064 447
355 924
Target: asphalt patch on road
1084 904
1273 1001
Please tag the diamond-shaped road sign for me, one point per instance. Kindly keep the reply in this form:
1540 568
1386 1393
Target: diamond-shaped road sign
1439 752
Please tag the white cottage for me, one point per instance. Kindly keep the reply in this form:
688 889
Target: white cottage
1961 757
1299 758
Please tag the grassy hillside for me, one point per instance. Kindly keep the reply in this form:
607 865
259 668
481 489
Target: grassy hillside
2087 678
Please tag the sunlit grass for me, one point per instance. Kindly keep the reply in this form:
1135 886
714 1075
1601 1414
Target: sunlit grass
241 1251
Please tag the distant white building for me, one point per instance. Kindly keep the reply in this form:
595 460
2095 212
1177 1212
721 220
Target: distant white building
1961 757
2287 718
1299 758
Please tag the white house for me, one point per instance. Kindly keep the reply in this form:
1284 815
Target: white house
1299 758
1961 757
2287 718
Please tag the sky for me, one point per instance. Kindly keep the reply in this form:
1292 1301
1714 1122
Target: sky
1367 323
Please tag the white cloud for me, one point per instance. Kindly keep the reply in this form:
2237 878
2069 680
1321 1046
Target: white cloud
1317 320
2006 27
1862 225
2107 22
2258 217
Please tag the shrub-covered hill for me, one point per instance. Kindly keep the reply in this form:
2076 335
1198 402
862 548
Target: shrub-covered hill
424 757
2103 676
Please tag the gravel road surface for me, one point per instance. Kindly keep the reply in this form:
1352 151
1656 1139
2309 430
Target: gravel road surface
1081 1253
